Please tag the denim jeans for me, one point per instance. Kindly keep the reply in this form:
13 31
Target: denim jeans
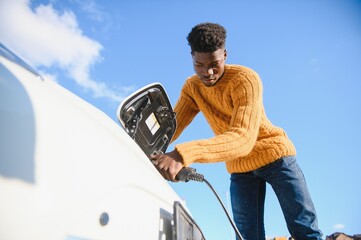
248 191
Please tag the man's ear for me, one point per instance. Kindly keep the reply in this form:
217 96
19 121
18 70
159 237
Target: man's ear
225 54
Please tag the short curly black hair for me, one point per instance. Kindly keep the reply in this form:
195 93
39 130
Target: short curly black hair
207 37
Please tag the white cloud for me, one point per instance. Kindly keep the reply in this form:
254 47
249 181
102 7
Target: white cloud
92 9
338 227
46 37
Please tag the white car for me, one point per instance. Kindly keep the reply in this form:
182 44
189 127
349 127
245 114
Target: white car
69 172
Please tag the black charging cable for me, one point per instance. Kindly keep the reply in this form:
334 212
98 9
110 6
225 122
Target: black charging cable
187 173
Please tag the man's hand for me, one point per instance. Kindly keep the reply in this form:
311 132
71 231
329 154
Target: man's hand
168 164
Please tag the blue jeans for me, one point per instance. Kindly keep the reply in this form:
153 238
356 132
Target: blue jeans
248 191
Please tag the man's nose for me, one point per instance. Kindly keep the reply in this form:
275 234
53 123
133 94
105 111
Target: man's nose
209 71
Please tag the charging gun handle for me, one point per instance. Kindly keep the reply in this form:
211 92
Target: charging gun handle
187 173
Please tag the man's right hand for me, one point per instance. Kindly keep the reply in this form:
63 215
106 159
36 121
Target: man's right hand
168 164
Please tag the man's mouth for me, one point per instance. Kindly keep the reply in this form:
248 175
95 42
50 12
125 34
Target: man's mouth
209 81
206 79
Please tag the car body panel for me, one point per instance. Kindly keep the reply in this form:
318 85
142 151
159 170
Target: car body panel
68 171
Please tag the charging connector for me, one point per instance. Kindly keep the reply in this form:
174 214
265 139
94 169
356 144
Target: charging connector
187 173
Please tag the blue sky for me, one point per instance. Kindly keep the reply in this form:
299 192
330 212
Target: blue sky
308 54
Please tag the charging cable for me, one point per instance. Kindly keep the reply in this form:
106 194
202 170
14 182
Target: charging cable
187 173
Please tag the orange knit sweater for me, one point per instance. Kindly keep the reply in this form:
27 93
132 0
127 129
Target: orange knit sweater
244 137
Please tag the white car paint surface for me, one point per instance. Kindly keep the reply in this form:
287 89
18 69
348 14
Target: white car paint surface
68 171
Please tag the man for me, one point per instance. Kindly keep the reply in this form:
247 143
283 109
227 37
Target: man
254 150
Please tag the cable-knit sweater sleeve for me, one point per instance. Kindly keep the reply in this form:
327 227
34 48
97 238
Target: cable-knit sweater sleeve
240 128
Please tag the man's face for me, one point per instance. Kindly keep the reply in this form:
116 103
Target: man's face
209 66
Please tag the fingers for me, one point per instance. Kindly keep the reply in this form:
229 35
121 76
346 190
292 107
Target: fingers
167 166
154 161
